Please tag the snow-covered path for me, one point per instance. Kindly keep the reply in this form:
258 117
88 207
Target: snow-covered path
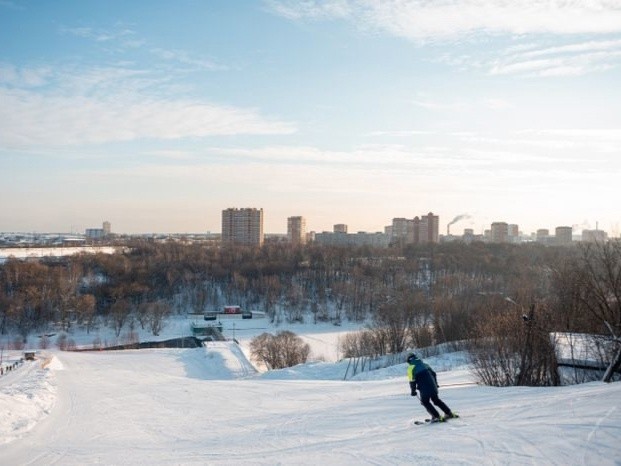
170 407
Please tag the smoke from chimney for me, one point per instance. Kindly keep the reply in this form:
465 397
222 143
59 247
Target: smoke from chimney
455 220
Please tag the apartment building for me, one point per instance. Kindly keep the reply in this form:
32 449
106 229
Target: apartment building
296 230
563 236
242 226
499 232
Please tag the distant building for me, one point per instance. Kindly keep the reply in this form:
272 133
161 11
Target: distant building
98 233
242 226
542 236
326 238
340 228
513 233
424 229
563 236
402 231
94 233
296 230
499 232
429 228
594 236
468 236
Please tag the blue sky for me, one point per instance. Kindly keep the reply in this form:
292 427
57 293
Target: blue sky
157 115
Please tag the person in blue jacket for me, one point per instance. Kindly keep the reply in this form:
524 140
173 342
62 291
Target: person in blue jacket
423 378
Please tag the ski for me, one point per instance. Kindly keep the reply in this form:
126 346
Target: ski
420 423
442 419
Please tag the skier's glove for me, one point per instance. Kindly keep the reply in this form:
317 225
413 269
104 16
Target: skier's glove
413 392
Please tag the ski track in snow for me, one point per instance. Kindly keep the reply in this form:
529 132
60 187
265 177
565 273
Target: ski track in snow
210 406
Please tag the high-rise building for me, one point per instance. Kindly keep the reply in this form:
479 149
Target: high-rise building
499 232
98 233
242 226
340 228
594 236
296 230
542 235
563 236
402 231
513 233
429 228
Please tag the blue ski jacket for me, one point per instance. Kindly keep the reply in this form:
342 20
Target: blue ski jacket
422 378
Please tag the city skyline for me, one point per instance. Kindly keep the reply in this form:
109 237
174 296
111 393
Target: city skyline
157 115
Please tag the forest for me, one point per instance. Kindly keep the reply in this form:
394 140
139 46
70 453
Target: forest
500 298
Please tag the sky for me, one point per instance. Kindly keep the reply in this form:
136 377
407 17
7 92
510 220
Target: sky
157 115
210 406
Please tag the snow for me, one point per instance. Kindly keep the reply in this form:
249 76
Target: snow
26 253
210 406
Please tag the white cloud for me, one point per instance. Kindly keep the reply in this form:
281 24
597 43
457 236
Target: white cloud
400 133
296 10
186 58
563 60
423 20
439 106
604 133
98 105
98 34
27 77
497 104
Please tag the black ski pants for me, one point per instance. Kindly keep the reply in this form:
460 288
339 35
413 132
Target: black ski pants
426 399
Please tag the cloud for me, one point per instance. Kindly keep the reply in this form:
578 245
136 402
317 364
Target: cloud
563 60
126 38
27 77
421 20
99 34
186 58
424 21
438 106
98 105
497 104
400 133
297 10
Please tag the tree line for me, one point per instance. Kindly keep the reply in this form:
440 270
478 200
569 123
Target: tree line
499 296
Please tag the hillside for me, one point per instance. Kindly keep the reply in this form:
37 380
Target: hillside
206 406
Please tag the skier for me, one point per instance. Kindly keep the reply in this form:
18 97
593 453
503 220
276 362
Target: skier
423 378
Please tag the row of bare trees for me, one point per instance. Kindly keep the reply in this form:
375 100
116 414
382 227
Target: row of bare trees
409 297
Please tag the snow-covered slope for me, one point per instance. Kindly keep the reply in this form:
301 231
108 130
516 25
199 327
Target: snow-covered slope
197 406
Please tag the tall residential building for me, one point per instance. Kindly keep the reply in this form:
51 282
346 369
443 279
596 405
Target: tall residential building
402 231
429 228
499 232
514 233
594 236
563 236
542 235
98 233
340 228
296 230
242 226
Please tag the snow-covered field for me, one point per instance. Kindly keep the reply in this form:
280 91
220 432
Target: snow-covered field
210 406
25 253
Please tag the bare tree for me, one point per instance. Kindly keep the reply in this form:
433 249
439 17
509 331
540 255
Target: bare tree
120 312
600 294
514 346
285 349
158 311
